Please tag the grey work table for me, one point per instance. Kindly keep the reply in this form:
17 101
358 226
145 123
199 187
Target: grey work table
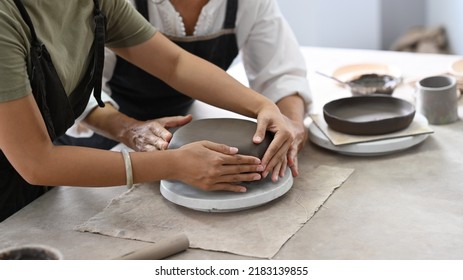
405 205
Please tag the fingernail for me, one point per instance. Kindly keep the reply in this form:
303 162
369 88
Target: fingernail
257 177
260 168
242 190
233 150
257 139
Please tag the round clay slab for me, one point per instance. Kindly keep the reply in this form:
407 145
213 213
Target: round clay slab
258 193
232 132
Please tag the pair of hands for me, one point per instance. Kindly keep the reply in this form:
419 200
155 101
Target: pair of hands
221 165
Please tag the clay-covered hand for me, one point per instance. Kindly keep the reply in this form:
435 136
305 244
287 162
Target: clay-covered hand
211 166
275 158
153 134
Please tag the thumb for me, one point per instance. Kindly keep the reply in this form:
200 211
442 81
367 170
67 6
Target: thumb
260 131
170 122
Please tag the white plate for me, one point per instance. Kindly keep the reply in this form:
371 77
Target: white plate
373 148
349 72
258 193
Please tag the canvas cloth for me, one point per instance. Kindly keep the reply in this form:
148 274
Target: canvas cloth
142 213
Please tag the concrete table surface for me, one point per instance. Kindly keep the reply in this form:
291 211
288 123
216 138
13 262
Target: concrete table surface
404 205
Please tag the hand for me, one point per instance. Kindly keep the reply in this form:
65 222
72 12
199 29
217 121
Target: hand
300 135
275 158
153 134
211 166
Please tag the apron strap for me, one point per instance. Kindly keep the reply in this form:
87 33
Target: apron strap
142 7
98 57
27 19
230 14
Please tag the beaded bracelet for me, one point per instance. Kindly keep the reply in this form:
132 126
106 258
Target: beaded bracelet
128 168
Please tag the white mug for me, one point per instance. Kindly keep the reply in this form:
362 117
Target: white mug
437 99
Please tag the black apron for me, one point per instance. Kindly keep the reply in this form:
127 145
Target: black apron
144 97
58 110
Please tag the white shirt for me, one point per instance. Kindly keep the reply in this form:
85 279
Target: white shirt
270 52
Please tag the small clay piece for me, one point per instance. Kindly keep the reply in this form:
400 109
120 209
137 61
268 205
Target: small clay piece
232 132
373 83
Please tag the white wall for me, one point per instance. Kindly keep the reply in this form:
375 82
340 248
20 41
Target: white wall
370 24
450 14
398 16
334 23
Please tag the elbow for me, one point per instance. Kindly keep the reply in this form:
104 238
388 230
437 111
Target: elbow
35 175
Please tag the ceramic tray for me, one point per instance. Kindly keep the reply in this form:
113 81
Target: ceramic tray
372 148
258 193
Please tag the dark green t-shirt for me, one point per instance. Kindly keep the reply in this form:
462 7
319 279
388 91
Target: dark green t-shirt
66 29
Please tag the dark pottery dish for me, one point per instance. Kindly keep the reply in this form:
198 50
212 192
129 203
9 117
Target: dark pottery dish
373 83
369 114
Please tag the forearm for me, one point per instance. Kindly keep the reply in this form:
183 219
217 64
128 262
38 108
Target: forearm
39 162
221 90
293 107
185 73
79 166
109 122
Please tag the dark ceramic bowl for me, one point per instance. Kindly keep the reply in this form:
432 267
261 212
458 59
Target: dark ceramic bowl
30 252
373 83
368 115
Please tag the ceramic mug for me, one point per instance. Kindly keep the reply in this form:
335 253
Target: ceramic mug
30 252
437 99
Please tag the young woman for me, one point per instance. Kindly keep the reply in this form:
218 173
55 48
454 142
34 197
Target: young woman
51 59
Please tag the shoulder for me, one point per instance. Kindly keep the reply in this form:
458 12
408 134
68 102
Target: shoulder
125 26
14 47
258 6
257 11
10 18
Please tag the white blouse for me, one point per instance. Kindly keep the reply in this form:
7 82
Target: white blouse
270 52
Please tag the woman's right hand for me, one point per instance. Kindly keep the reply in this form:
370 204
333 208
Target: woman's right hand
211 166
151 135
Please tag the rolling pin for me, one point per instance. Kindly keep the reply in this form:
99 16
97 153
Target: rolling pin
160 250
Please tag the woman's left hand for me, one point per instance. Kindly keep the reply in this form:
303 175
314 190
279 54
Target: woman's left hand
275 158
300 138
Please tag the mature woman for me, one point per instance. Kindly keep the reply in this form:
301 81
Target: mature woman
216 30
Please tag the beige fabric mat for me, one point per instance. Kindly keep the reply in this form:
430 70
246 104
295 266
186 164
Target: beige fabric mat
143 214
339 138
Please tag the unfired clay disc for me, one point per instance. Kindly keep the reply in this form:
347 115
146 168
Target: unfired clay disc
233 132
236 133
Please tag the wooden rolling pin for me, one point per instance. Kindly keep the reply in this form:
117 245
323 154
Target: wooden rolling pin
159 250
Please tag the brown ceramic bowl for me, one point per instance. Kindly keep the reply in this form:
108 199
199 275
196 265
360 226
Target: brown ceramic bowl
369 114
